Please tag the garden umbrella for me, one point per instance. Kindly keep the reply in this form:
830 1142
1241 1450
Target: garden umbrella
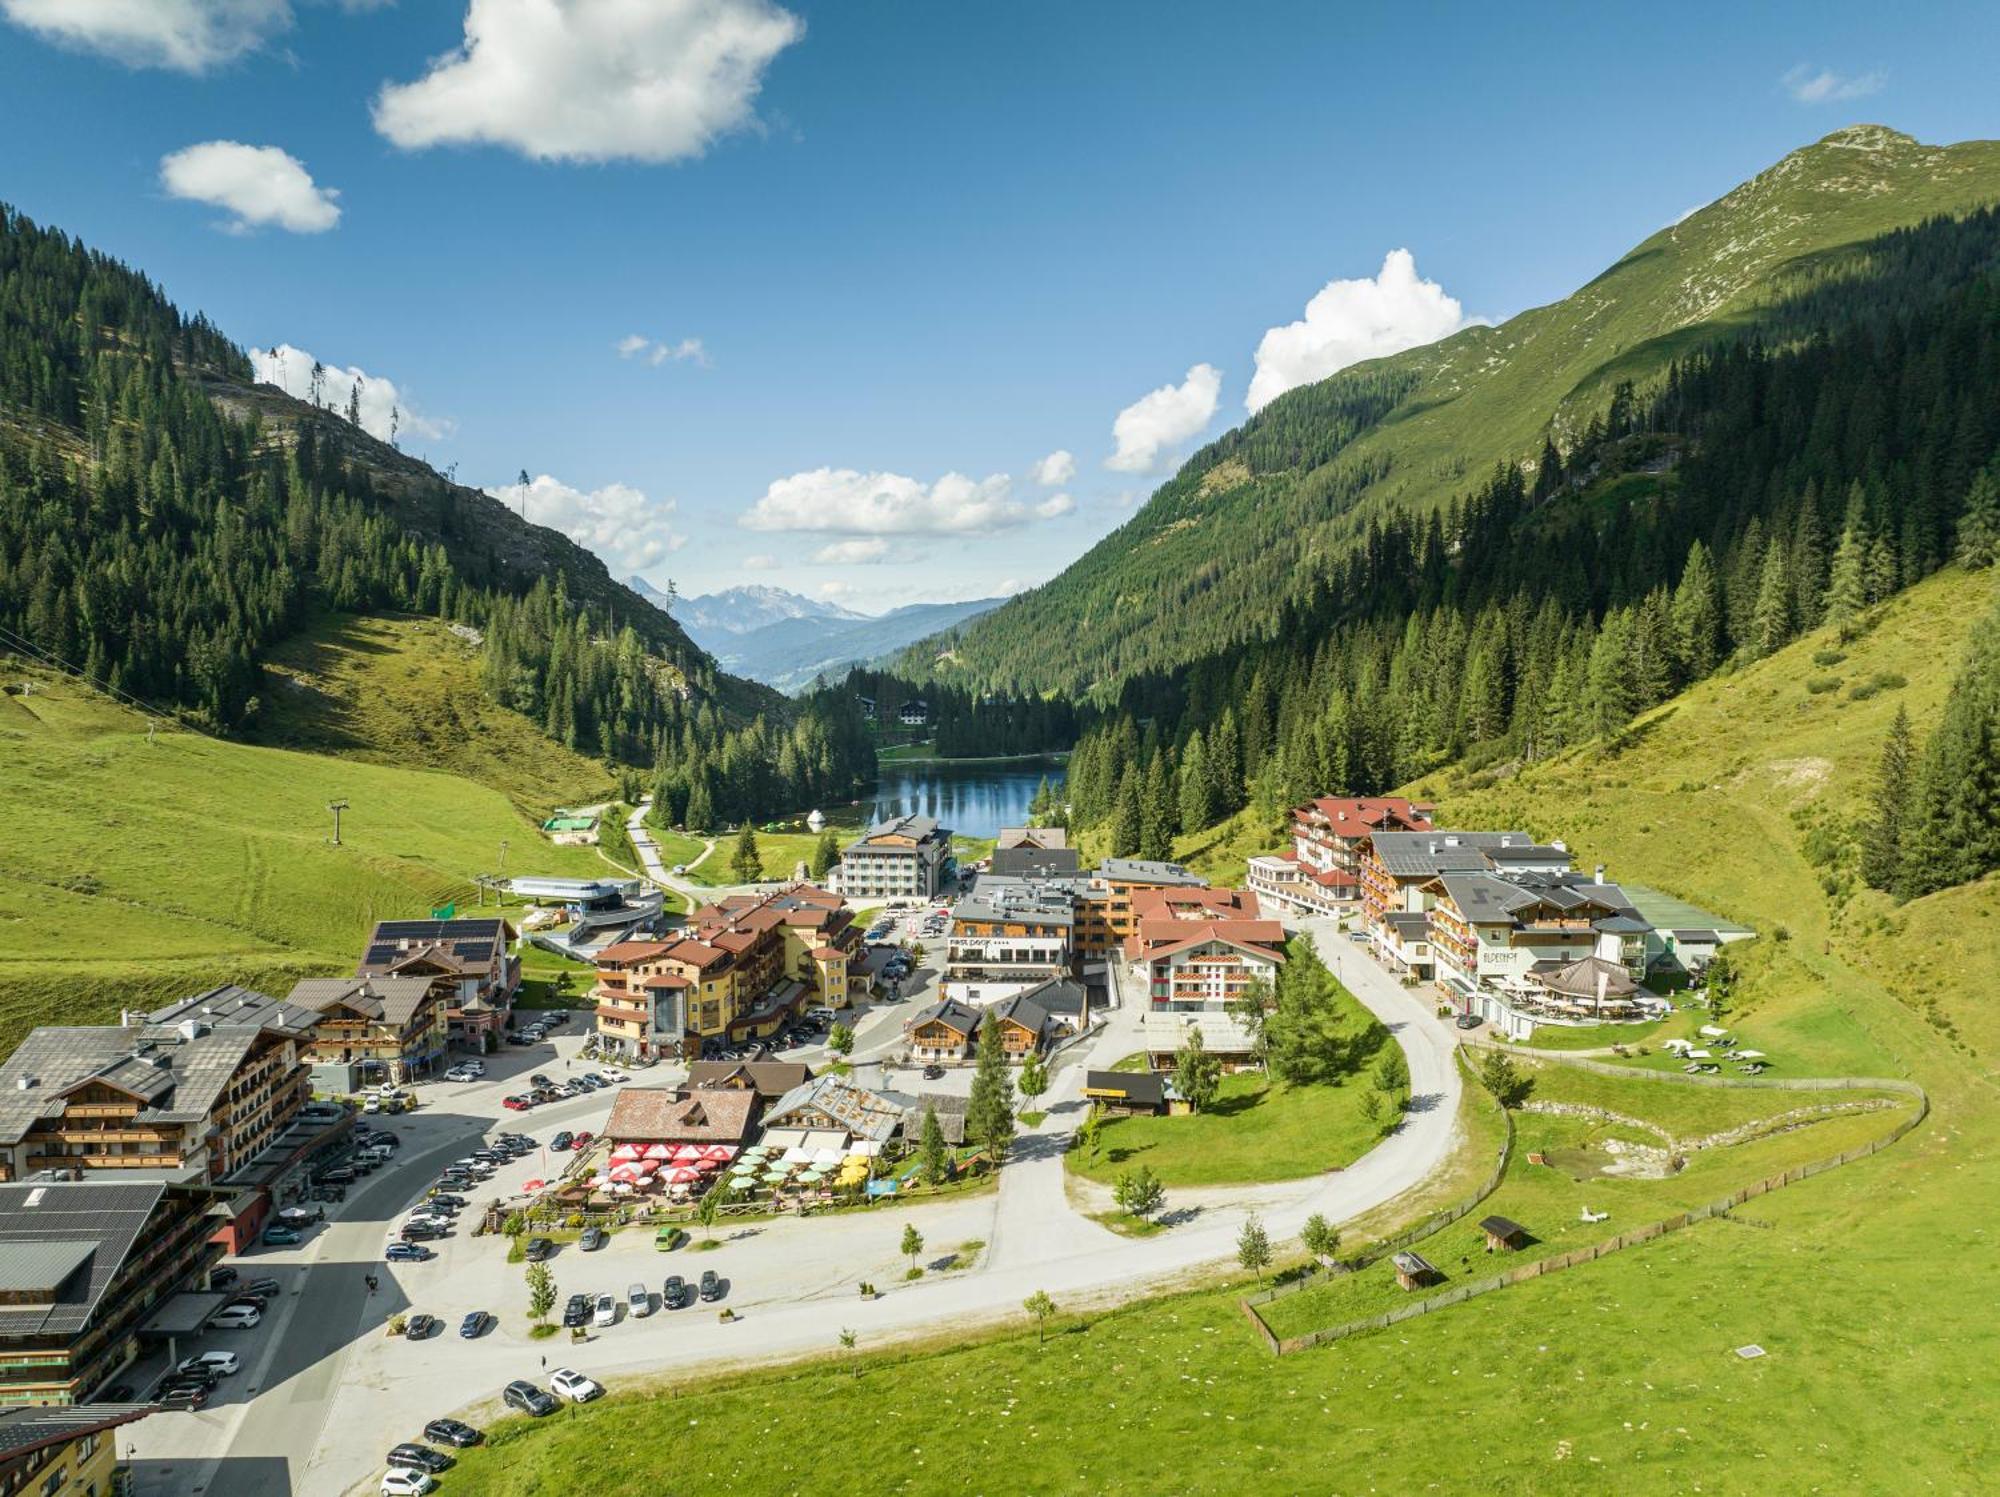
811 1177
647 1166
708 1166
797 1156
686 1154
531 1186
720 1153
681 1175
659 1151
826 1159
774 1177
624 1152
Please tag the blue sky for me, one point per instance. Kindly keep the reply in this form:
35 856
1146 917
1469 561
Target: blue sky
911 240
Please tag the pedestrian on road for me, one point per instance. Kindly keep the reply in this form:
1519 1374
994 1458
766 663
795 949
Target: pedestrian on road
545 1361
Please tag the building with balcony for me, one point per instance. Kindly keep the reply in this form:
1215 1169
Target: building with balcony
1397 868
1106 916
1195 954
385 1028
1492 930
192 1092
1007 935
906 857
469 960
84 1265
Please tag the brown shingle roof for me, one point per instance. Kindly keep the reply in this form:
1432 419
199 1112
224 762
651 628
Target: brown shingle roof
655 1114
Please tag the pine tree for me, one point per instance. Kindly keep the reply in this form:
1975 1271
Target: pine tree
1128 818
1197 792
989 1111
936 1163
1979 525
826 853
747 862
1847 586
1882 847
1159 811
1771 617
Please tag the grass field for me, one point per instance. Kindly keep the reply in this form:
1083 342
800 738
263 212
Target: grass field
1864 1284
135 872
405 691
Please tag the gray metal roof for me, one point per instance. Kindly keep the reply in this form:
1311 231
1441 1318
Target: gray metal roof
47 1222
41 1268
178 1070
999 897
1147 871
25 1429
1422 854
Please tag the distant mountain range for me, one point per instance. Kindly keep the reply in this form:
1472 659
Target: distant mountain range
785 639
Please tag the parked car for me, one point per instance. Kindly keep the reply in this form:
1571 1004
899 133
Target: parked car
221 1363
408 1252
518 1038
1468 1021
593 1238
421 1327
674 1293
576 1312
639 1300
933 1071
713 1287
237 1317
614 1075
582 1139
539 1249
198 1377
574 1386
668 1238
422 1231
261 1290
821 1012
562 1141
452 1432
517 1104
411 1455
525 1396
403 1481
372 1105
605 1311
475 1324
181 1396
539 1079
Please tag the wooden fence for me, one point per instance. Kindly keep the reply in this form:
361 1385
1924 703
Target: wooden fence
1652 1230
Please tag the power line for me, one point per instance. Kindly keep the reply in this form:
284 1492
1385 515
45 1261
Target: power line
45 656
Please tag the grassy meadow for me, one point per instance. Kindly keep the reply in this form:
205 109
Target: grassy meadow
134 872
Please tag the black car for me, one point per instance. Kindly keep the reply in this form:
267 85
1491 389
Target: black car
200 1377
422 1457
674 1293
474 1325
420 1326
222 1278
538 1079
712 1287
576 1312
592 1239
539 1250
562 1140
517 1038
1468 1021
452 1432
183 1396
422 1232
529 1399
933 1071
446 1199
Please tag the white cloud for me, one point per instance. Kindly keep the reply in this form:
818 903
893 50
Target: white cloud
1163 419
259 185
1809 85
290 369
852 553
637 345
626 529
593 80
1055 470
189 36
1348 321
843 501
1054 505
763 561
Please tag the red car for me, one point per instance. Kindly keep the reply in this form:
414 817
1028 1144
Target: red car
581 1139
516 1104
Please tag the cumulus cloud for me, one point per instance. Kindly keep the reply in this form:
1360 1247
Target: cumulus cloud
1055 470
593 80
763 561
1163 419
1810 85
188 36
852 553
843 501
626 529
1348 321
382 403
259 186
656 353
1054 505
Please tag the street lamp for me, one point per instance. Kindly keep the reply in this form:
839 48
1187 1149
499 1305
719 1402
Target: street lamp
336 806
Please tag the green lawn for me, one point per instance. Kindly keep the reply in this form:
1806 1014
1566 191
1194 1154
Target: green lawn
541 971
1256 1130
1595 1036
134 872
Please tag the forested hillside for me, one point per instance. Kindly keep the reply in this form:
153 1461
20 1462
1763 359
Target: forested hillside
1272 513
164 523
1767 486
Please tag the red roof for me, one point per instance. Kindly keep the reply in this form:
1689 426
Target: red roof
631 951
1359 815
1163 935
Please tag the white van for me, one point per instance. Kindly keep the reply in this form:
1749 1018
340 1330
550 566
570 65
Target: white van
237 1317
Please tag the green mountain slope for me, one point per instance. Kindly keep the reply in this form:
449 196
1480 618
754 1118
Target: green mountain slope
133 871
1250 520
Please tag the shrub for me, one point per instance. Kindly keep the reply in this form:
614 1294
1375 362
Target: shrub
1819 685
1825 658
